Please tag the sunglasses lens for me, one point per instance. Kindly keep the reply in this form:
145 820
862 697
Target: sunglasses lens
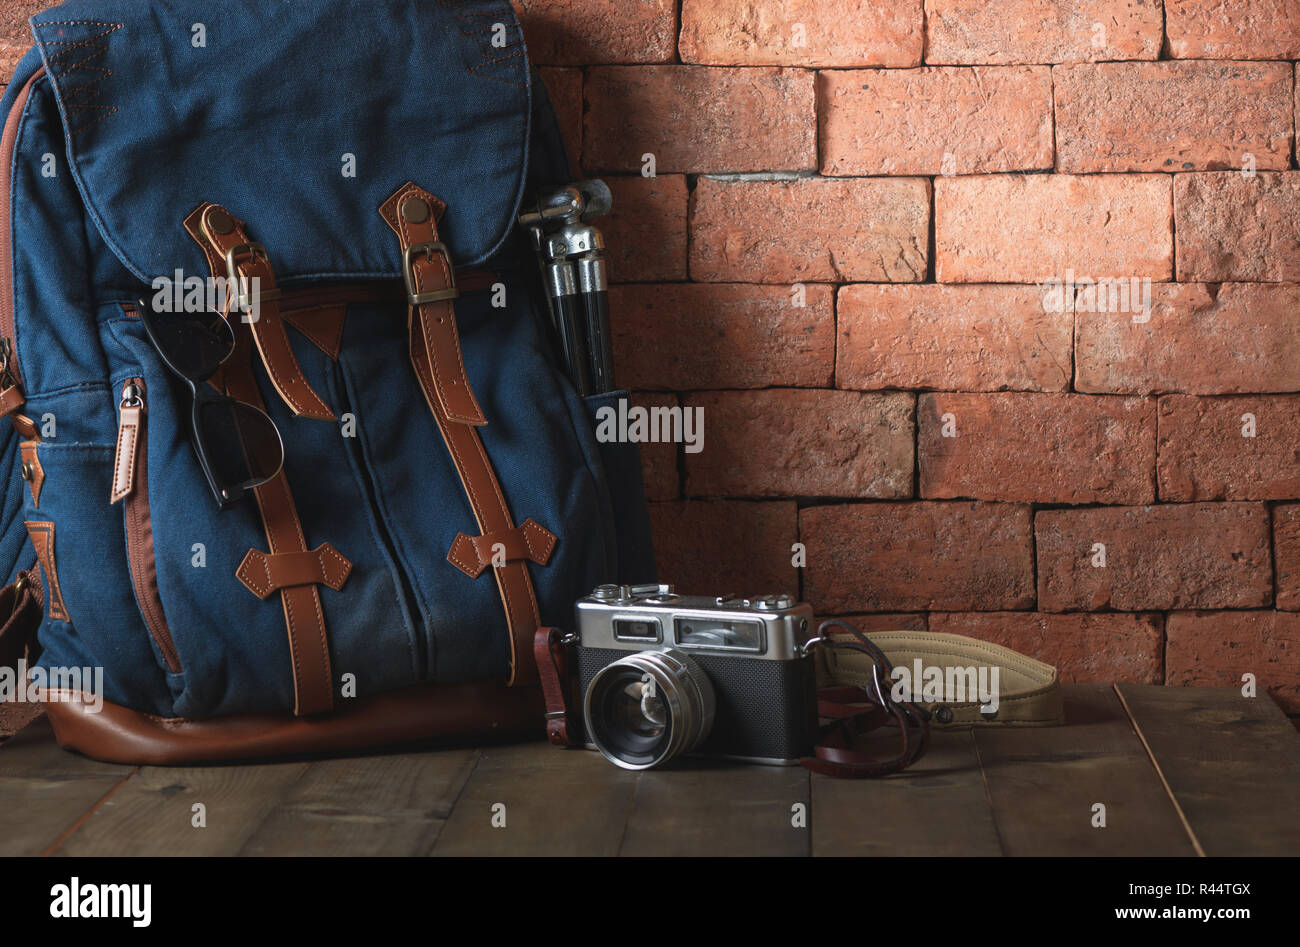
193 343
243 445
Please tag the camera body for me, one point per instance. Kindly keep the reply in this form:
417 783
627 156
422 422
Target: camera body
663 674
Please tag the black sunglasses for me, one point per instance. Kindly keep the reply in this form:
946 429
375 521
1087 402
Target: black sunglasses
238 445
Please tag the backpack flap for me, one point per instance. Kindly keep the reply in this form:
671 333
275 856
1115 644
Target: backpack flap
303 130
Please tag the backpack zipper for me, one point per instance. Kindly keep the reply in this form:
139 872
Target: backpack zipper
8 143
131 485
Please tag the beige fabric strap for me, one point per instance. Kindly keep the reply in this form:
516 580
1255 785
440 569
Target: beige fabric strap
1029 691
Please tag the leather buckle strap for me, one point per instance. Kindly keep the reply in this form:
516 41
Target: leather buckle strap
232 253
219 233
413 215
472 554
265 574
430 288
427 249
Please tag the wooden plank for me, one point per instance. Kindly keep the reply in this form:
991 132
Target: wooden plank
152 813
1044 781
703 807
45 790
379 805
1231 762
938 806
557 802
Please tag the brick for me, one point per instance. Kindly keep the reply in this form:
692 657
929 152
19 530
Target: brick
961 338
896 621
1286 550
715 547
646 232
1029 228
1173 116
969 32
1235 228
1199 339
15 34
1091 649
1230 29
659 460
1204 455
581 32
1037 447
722 335
819 229
877 557
700 118
1200 555
936 120
760 443
564 86
1217 648
802 33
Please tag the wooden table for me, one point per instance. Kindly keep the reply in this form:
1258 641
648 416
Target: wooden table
1180 771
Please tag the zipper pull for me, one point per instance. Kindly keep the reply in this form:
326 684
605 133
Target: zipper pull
128 439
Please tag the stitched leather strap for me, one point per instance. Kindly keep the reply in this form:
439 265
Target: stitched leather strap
473 554
551 655
435 346
304 618
264 575
222 234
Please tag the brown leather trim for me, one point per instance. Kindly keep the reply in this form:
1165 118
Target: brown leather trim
11 399
304 619
469 457
263 575
42 535
22 603
460 711
129 427
268 329
473 554
36 479
431 272
322 325
138 522
8 142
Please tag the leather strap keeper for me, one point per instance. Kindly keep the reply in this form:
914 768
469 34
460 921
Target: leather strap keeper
266 573
531 541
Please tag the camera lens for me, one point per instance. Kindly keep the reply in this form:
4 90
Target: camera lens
646 708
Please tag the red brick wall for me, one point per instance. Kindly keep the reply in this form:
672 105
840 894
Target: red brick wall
922 167
951 452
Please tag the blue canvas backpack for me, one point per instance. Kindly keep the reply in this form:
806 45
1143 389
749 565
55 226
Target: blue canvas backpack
443 495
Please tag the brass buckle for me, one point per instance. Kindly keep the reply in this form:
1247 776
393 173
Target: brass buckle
252 251
408 273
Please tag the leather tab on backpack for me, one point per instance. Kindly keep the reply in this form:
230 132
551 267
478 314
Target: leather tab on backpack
264 574
11 399
531 541
413 214
231 253
42 535
32 471
128 441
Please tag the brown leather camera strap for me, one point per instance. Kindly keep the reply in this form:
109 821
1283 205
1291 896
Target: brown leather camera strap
413 214
839 751
304 618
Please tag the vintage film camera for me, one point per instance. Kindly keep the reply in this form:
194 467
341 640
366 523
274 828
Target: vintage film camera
663 675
